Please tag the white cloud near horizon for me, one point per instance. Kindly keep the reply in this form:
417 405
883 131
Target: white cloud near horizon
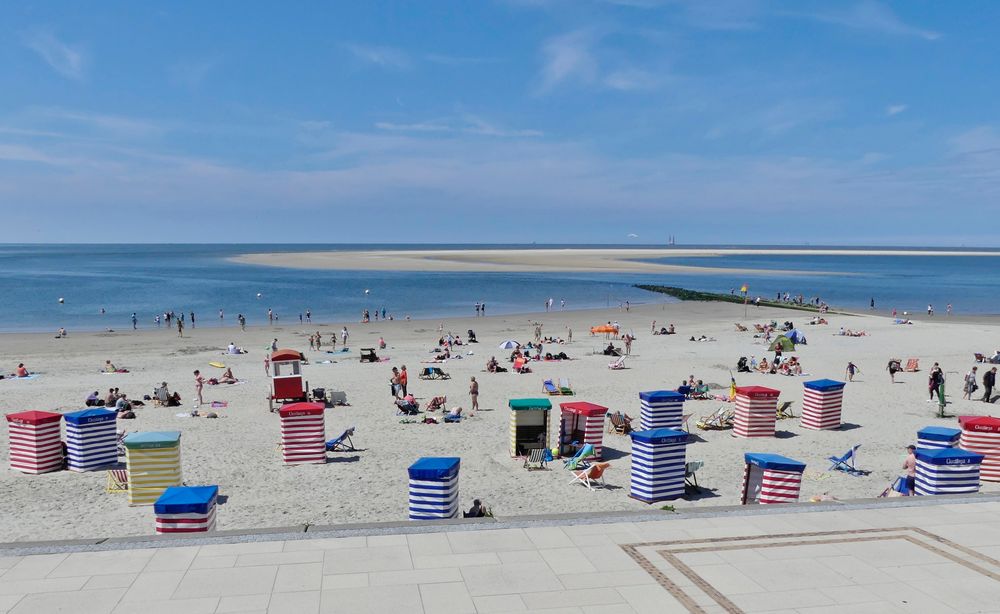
466 124
65 59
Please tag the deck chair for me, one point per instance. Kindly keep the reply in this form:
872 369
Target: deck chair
117 481
741 328
342 443
912 364
784 411
684 422
120 442
579 460
537 458
691 475
368 355
618 364
845 463
619 423
718 420
896 489
160 397
759 328
549 388
591 476
407 409
564 387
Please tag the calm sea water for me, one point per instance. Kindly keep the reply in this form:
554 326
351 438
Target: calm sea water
150 279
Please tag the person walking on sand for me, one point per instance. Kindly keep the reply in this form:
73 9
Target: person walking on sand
343 336
199 384
989 381
628 344
970 384
404 378
851 370
474 395
312 342
319 342
934 380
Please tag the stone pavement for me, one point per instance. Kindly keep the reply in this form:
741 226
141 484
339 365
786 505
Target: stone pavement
900 555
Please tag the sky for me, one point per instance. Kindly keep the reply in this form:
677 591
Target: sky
511 121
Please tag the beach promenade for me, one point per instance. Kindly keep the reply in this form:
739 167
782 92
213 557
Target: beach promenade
926 554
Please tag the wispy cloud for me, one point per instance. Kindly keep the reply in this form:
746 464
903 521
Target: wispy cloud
776 119
629 79
466 124
98 124
455 60
568 57
386 57
873 17
895 109
65 59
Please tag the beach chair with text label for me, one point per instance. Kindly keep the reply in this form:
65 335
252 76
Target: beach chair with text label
846 462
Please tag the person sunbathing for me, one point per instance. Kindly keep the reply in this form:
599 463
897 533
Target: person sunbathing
700 390
763 367
22 371
109 367
670 330
436 403
228 377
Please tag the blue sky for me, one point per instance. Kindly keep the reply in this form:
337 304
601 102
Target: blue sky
735 121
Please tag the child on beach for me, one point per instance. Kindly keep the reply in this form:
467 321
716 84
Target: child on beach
199 384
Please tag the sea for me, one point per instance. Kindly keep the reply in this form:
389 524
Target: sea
99 287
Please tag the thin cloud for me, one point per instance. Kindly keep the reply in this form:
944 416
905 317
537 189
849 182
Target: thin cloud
467 124
873 17
385 57
63 58
630 79
568 57
455 60
192 74
895 109
414 127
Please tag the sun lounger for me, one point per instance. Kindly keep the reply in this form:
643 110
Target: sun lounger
759 328
342 443
591 476
117 481
912 364
741 328
684 421
564 387
433 373
784 411
896 489
549 388
691 475
579 461
618 364
406 409
845 463
619 423
537 458
719 420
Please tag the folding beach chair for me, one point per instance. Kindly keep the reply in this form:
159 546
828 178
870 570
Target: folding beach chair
618 364
564 387
619 423
896 489
120 442
784 411
342 443
579 461
117 481
719 420
845 463
549 388
591 476
912 364
537 458
691 475
407 409
684 422
368 355
433 373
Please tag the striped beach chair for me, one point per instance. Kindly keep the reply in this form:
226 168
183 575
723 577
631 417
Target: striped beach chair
117 481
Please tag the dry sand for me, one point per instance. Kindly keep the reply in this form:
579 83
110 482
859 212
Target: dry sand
239 451
618 260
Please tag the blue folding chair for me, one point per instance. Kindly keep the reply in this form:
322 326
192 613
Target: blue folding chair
342 443
845 463
579 461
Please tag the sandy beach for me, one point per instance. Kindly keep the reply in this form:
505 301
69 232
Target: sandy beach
548 260
239 450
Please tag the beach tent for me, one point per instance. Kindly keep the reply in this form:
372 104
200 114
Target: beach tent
796 336
154 464
35 446
582 423
91 439
661 409
947 471
981 434
786 344
529 425
822 400
771 478
658 465
186 509
509 345
756 411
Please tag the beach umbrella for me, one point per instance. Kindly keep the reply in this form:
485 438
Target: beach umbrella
509 345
